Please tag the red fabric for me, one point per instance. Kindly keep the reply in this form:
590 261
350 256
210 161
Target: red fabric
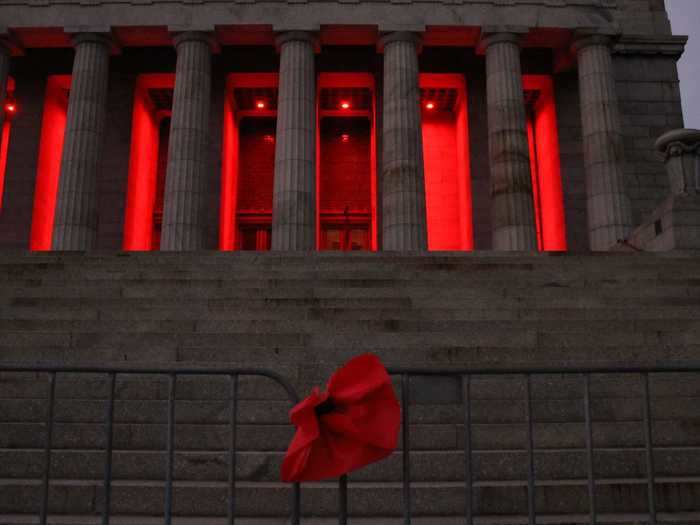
362 426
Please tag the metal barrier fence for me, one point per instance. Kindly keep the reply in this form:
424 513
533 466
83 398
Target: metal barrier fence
172 374
404 374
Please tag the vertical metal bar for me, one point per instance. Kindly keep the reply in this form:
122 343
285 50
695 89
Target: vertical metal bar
109 419
466 401
532 519
405 386
343 500
651 479
589 448
232 450
170 450
296 504
47 450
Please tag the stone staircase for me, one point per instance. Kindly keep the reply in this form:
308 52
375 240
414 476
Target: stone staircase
302 316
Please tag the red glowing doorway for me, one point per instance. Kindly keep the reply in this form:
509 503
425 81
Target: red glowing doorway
543 137
10 111
248 153
346 183
148 161
446 161
53 126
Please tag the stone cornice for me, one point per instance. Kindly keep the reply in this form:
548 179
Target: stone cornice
670 45
609 4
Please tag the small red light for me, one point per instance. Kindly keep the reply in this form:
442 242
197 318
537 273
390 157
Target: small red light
10 108
345 105
260 104
430 105
269 138
345 137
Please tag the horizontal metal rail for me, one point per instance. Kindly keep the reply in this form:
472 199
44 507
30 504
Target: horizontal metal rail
464 375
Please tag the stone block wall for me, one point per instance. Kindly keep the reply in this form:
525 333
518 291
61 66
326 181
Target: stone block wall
649 95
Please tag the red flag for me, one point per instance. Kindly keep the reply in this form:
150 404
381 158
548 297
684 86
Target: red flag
354 423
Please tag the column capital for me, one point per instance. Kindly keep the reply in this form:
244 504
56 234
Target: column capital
195 36
311 37
499 34
584 39
414 37
671 142
104 38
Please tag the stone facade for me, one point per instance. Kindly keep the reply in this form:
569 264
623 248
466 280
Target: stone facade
642 71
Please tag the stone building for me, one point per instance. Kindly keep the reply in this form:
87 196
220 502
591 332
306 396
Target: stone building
445 142
447 126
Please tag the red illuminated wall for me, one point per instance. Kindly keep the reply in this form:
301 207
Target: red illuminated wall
446 164
5 136
143 165
49 163
544 161
345 165
256 165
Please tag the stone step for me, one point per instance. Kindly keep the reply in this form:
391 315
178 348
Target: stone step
402 324
194 289
424 389
467 354
83 315
350 273
441 259
552 519
192 498
437 466
255 437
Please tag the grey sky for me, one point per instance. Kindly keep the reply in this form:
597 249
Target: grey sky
685 19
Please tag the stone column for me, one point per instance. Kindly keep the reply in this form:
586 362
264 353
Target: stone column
403 181
4 73
294 197
75 220
188 155
609 213
512 212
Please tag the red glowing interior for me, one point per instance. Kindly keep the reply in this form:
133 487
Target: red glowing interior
346 162
147 162
248 155
10 111
446 162
49 163
545 167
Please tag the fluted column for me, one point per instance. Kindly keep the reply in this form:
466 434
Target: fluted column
75 222
512 213
403 181
294 198
4 72
188 160
609 213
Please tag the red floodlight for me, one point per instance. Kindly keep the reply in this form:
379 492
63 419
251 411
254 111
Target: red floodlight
10 108
345 105
260 104
430 105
